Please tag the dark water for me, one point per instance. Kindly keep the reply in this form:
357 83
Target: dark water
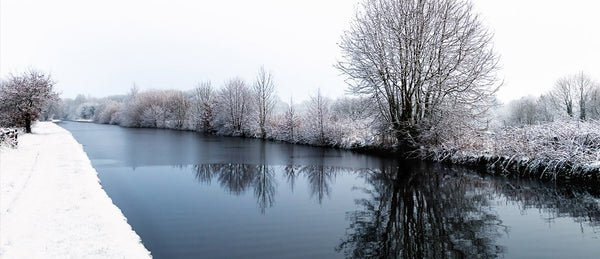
194 196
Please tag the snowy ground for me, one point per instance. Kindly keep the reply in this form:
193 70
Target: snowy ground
53 206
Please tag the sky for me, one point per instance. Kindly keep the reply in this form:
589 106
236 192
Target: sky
101 48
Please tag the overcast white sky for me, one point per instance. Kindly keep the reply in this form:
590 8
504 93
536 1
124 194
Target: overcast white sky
100 48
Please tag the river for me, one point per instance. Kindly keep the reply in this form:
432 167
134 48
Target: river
190 195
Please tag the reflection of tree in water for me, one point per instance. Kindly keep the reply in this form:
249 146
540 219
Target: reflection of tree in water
237 178
264 187
413 211
416 213
204 173
319 178
556 202
291 173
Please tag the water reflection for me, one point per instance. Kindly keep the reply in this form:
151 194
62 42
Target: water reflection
320 179
238 178
434 212
555 202
420 214
320 201
264 187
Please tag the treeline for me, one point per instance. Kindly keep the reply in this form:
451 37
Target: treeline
237 108
573 97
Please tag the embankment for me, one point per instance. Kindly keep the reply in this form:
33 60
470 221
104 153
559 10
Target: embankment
53 206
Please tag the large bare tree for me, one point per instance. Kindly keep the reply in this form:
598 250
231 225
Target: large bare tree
264 98
22 98
421 61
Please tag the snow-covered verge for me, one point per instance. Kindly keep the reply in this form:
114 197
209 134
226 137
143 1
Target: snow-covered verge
561 150
53 206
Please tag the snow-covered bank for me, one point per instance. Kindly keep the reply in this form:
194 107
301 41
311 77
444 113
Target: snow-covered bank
53 206
556 151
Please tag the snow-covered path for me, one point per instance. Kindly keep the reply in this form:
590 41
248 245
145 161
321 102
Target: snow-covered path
53 206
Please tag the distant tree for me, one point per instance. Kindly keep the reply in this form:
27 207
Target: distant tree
264 98
546 112
130 114
593 106
145 109
54 109
584 86
563 94
352 108
87 110
318 115
177 106
107 112
291 121
524 111
235 106
22 98
203 107
420 62
573 91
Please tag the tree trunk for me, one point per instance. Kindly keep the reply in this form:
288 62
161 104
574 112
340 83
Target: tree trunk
27 124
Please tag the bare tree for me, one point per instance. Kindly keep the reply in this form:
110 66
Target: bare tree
264 98
421 62
204 100
524 111
573 90
22 98
546 113
563 94
177 106
291 121
234 103
318 112
584 86
593 106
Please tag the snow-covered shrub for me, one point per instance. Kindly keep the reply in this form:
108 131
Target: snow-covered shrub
107 112
564 148
9 137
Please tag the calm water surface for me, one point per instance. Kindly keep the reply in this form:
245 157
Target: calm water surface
193 196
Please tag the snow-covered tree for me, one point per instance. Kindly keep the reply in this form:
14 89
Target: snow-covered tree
573 93
22 98
421 62
54 109
290 122
87 110
203 107
524 111
318 118
263 92
177 106
107 112
235 107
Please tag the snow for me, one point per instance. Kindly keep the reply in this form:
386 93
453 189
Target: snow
53 206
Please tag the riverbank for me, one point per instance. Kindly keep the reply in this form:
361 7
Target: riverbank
52 204
563 151
560 151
